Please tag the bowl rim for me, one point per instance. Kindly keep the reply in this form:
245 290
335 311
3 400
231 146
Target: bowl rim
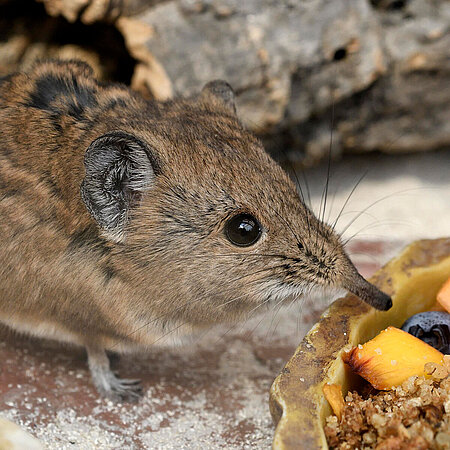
297 405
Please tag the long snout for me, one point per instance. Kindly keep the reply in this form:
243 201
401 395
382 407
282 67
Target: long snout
366 291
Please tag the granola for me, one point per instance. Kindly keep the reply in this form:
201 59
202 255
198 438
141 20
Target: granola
413 416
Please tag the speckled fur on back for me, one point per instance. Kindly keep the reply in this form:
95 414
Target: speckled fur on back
113 211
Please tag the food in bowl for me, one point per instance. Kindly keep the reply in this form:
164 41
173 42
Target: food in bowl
297 403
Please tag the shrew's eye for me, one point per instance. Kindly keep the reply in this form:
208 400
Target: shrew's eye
243 230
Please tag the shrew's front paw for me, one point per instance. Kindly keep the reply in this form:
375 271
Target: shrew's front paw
115 388
108 384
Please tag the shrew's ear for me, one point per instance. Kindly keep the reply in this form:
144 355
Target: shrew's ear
119 168
220 93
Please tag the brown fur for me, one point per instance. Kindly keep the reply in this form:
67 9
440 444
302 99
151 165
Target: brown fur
170 264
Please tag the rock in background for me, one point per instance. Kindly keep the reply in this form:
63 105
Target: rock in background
28 33
378 70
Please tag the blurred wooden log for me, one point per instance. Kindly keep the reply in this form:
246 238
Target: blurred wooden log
383 66
90 11
27 34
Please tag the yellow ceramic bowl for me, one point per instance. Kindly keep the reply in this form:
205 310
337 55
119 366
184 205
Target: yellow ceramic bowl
296 399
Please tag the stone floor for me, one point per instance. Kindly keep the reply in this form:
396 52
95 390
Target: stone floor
214 394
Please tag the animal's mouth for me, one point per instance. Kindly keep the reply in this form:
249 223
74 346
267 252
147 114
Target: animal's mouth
367 292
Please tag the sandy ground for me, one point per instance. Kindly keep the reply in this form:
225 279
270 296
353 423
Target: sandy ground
214 394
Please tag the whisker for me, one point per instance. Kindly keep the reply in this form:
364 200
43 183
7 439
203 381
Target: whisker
219 306
242 324
291 166
263 317
325 194
299 314
375 225
376 202
162 316
276 311
301 191
287 223
190 303
173 330
169 332
266 269
371 235
230 301
294 299
348 199
370 256
333 198
228 331
308 190
372 216
227 255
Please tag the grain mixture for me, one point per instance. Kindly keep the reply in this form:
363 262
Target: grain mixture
413 416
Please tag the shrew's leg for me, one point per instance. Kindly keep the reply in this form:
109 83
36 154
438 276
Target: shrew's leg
108 384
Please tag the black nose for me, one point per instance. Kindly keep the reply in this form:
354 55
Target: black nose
368 292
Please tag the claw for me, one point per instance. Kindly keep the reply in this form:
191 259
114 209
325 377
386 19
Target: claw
131 382
121 390
108 382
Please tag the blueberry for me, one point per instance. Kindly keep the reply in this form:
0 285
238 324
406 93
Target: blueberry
432 327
